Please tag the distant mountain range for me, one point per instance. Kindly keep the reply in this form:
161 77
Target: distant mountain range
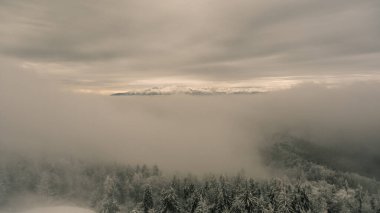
172 90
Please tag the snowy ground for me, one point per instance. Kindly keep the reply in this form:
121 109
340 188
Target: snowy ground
59 209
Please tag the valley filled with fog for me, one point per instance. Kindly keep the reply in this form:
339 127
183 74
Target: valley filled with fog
218 132
45 128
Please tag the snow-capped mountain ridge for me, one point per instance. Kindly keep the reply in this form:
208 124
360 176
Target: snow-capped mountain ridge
172 90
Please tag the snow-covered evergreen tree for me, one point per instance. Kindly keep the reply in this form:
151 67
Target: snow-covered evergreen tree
49 184
301 201
247 200
238 206
147 199
156 171
109 203
202 206
169 201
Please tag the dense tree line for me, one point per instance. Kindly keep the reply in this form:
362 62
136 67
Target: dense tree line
110 188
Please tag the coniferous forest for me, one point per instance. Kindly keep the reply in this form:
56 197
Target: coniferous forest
300 186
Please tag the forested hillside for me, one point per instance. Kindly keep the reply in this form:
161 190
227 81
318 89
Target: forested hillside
299 185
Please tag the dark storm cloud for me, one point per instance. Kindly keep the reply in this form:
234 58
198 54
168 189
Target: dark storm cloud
204 39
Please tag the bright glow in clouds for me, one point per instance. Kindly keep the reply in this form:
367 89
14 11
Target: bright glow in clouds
264 84
118 84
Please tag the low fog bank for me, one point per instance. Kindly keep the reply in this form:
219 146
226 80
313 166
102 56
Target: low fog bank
178 133
35 203
182 133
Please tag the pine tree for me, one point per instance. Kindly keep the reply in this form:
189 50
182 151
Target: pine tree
260 205
374 202
148 199
224 200
220 205
109 203
136 187
145 171
188 189
301 201
194 201
359 196
120 180
247 200
156 171
169 201
176 185
202 206
278 197
49 184
362 198
238 206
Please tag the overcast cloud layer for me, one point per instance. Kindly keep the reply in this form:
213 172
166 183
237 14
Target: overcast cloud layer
89 44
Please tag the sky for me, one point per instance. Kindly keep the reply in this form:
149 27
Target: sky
109 46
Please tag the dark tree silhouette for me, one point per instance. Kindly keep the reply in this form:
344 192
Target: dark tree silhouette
148 199
169 201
